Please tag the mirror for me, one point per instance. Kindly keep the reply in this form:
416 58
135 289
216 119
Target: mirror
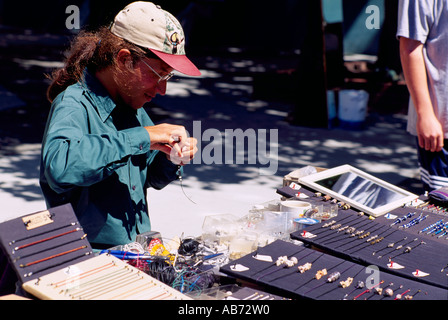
359 189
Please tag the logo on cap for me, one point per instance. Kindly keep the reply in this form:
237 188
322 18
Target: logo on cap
175 41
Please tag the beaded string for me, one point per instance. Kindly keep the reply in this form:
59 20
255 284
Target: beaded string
123 283
340 228
368 290
46 239
275 270
335 266
42 233
435 228
110 276
399 296
327 224
47 249
360 234
331 278
409 297
408 249
331 227
390 245
51 257
296 271
98 291
84 274
379 291
181 184
341 283
374 239
359 285
133 291
363 236
273 264
350 231
404 218
414 221
116 285
377 240
29 274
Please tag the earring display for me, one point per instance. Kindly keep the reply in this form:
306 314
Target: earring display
338 279
400 243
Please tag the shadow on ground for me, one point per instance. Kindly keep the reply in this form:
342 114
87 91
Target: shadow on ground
220 99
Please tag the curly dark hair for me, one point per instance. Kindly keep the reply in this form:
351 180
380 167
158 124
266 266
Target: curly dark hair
95 50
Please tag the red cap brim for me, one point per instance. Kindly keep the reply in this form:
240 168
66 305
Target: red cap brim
178 62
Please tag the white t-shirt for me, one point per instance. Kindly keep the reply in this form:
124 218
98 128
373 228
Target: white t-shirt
427 22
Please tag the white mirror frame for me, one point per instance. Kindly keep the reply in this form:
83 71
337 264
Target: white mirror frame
310 181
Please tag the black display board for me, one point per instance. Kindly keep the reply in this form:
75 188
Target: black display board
406 252
288 282
39 243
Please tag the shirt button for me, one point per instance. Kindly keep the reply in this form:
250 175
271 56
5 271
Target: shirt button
133 187
141 147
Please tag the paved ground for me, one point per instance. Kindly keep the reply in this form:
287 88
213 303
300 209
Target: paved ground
220 99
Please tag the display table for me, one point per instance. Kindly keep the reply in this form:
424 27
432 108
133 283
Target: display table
290 282
400 255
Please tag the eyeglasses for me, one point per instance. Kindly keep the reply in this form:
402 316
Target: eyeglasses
164 78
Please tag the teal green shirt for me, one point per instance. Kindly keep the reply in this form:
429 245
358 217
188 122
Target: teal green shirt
96 156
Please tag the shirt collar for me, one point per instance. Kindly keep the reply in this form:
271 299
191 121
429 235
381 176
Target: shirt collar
98 93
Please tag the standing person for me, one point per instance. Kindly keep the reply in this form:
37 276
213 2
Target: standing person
100 150
423 35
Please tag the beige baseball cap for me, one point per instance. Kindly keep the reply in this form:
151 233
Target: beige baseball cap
148 25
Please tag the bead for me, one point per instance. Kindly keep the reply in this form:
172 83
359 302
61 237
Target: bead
281 260
333 277
365 235
320 273
346 283
335 226
350 230
305 267
388 292
329 224
289 263
379 290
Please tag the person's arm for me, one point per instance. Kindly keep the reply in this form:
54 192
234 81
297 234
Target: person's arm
429 129
73 157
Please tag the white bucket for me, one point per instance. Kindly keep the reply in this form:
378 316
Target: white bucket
352 108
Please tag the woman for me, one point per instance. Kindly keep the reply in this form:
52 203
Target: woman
100 150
